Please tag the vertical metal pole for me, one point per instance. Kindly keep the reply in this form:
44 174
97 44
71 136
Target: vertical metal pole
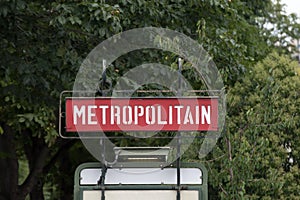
180 61
102 142
179 93
103 76
101 181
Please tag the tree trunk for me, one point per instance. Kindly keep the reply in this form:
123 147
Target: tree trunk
8 165
37 191
66 181
40 161
37 153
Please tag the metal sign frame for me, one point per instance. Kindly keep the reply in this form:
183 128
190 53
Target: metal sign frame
201 188
178 186
73 135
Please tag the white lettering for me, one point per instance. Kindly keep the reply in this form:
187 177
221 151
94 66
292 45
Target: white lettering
148 120
91 114
127 116
138 112
115 114
170 115
188 118
103 113
197 115
205 114
159 115
178 113
79 113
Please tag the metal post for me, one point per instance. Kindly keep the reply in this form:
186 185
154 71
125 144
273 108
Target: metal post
179 93
101 182
103 74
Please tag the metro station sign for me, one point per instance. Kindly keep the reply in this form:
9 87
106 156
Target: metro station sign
141 114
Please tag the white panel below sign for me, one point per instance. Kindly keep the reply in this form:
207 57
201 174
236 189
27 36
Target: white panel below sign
142 176
141 195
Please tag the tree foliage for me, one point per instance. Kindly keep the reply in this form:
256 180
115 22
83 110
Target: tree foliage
260 152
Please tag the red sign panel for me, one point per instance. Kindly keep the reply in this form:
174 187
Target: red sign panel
141 114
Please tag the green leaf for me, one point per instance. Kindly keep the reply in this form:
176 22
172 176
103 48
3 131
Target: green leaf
21 119
61 20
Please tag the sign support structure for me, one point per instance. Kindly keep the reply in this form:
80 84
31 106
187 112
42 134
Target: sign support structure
101 181
108 114
179 133
121 185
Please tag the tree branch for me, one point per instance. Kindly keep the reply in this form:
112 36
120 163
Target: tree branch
65 145
8 164
35 172
230 158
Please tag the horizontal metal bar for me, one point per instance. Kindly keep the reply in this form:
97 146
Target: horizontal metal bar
143 91
130 137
